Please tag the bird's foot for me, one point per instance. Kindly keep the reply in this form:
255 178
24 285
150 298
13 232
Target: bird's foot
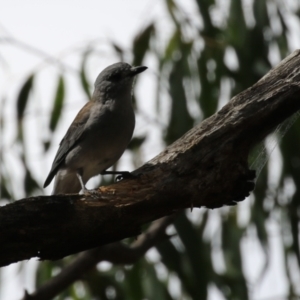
121 175
92 194
125 175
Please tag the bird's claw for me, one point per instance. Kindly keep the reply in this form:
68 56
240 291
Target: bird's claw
92 194
125 176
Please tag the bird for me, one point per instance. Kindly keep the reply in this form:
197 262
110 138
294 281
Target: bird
100 132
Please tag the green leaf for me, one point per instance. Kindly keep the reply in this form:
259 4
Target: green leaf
236 35
133 283
197 254
23 97
58 103
136 142
294 223
260 13
204 7
209 95
172 46
154 288
97 282
83 79
171 258
30 183
119 50
4 189
141 44
43 273
172 8
22 101
234 277
181 120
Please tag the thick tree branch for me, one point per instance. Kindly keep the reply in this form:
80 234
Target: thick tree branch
116 253
206 167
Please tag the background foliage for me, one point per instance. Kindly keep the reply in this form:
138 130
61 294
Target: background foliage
223 254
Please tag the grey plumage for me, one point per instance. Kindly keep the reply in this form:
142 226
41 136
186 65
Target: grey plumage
99 134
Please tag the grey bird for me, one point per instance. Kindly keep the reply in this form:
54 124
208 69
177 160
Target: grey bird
100 132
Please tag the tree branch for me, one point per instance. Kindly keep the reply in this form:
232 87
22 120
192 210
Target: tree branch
188 173
116 253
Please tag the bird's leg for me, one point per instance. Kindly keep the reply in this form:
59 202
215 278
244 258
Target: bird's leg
79 176
84 190
122 174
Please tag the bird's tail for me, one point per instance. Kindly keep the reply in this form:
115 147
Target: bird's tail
66 182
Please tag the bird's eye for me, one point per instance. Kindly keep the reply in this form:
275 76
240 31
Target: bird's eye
115 77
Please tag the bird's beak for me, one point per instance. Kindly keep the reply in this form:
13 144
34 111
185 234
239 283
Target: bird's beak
137 70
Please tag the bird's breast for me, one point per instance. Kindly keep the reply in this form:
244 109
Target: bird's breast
105 138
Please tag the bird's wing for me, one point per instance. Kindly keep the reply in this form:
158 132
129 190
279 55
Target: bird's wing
72 136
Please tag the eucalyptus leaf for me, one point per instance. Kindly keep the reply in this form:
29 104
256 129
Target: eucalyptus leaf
57 103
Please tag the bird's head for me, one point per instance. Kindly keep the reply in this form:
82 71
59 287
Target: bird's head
115 79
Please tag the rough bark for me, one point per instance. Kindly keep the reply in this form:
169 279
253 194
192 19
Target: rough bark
206 167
